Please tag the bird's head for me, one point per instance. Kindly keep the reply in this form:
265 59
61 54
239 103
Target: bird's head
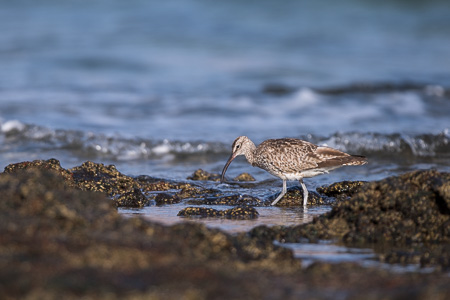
241 146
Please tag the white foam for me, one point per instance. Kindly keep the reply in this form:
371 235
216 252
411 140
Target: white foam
306 96
12 125
164 148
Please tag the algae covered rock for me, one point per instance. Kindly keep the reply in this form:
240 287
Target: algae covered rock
165 198
413 207
240 212
403 209
294 197
50 164
135 199
246 200
76 244
244 177
204 175
342 188
58 241
92 176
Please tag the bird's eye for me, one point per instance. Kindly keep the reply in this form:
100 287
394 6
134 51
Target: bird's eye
238 146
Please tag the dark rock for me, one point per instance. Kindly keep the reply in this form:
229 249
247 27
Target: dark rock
294 197
164 198
229 200
92 176
203 175
402 211
240 212
343 188
195 192
51 164
57 241
135 198
203 212
244 177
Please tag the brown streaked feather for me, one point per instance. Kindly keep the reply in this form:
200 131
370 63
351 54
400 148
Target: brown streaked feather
330 158
293 156
297 155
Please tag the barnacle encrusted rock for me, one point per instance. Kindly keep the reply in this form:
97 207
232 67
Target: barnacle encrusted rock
204 175
135 198
244 177
240 212
228 200
345 188
294 197
165 198
92 176
399 211
414 207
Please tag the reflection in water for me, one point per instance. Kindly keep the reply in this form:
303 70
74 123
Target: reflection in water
269 216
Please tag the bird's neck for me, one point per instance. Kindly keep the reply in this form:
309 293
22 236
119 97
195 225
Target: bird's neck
250 153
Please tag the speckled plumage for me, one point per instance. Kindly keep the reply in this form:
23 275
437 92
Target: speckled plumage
291 159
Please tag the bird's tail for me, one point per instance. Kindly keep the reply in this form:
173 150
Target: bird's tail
355 160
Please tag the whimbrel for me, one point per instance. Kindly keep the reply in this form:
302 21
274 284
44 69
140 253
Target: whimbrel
291 159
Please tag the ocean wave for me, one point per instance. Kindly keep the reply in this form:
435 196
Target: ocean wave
17 136
386 87
378 144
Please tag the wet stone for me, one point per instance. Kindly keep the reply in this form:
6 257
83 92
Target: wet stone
244 177
342 188
400 212
204 175
135 199
195 192
294 197
202 212
229 200
240 212
92 176
50 164
152 184
56 239
165 198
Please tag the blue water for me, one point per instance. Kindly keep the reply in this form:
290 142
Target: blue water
162 88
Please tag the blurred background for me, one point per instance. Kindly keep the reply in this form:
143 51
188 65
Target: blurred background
164 87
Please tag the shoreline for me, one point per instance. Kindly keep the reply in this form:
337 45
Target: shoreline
62 235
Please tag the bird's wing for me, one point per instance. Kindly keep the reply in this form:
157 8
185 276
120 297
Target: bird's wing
286 155
332 158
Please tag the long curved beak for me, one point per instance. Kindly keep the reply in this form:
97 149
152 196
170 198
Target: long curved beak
232 156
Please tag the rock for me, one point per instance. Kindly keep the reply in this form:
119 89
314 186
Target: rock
294 197
343 188
244 177
203 175
229 200
165 198
398 212
51 164
92 176
196 192
240 212
57 240
135 199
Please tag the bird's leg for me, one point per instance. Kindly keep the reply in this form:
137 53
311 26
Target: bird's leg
283 192
305 193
